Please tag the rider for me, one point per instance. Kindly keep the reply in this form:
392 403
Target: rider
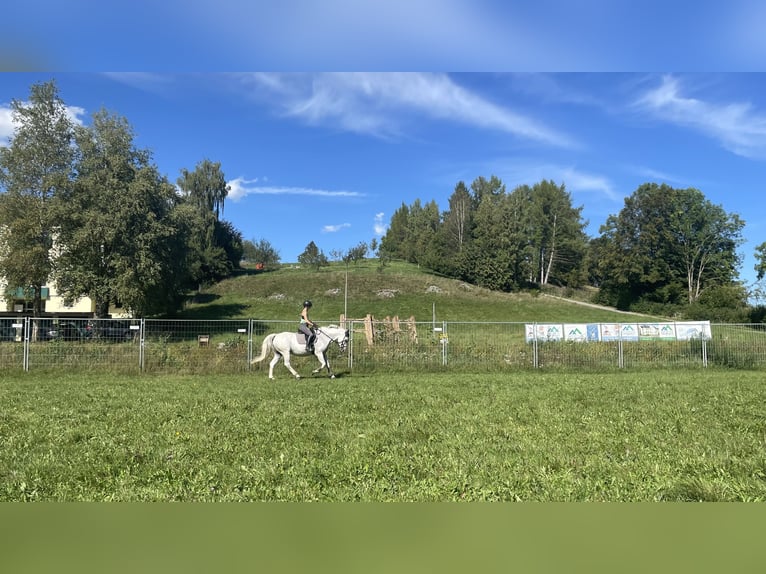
307 326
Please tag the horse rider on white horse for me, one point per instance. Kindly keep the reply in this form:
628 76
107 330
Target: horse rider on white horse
306 326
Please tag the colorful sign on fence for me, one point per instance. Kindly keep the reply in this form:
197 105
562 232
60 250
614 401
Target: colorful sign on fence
544 332
657 332
580 332
575 332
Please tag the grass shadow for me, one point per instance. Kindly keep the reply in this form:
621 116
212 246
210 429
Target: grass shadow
213 312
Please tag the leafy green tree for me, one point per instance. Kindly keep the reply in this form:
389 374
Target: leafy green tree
260 251
312 256
218 245
666 246
118 241
422 243
34 168
556 234
394 243
760 257
356 254
454 233
205 186
492 260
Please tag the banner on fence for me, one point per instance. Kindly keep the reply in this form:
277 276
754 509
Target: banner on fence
589 332
657 332
575 332
544 332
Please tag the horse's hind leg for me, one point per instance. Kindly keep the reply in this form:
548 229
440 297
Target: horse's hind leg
273 362
286 358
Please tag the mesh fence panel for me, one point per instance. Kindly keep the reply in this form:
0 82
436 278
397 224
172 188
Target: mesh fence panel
228 346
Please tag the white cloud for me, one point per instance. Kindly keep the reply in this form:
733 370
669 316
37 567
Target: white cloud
240 187
6 123
335 228
7 126
382 104
737 126
379 227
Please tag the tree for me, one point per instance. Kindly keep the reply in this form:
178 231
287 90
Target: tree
394 243
422 245
666 246
356 254
34 168
493 258
312 256
260 251
556 234
118 240
205 186
457 222
708 239
218 246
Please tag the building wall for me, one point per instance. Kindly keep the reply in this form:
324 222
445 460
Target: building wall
53 304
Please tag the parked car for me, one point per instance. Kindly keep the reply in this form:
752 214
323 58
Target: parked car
65 330
111 330
7 331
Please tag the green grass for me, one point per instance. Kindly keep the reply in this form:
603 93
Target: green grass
651 436
401 289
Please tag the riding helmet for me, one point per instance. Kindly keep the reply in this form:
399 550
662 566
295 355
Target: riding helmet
307 303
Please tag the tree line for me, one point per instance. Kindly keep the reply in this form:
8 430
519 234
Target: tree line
668 251
88 209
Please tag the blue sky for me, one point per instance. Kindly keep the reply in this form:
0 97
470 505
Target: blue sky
328 157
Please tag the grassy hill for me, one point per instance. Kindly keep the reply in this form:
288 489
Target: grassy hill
400 289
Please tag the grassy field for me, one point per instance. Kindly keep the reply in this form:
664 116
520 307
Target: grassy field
658 436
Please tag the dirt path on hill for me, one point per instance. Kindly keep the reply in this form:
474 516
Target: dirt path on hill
595 306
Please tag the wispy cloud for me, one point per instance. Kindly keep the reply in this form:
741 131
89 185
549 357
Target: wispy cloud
335 228
517 171
379 225
241 187
656 175
146 81
737 126
386 104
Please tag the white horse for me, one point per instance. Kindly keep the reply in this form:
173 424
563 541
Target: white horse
282 344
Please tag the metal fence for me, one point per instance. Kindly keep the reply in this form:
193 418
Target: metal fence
228 346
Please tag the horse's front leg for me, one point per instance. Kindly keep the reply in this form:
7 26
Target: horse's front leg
324 363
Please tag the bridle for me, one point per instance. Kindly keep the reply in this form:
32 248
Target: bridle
341 344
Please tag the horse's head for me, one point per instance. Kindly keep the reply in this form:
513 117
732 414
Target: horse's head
343 343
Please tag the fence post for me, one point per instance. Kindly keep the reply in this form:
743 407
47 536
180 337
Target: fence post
141 339
620 356
25 352
535 358
443 340
704 351
249 343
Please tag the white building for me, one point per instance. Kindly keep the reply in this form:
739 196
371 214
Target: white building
52 303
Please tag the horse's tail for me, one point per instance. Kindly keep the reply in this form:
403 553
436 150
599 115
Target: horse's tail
265 348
